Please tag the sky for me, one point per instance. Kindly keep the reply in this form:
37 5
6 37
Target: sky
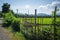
23 6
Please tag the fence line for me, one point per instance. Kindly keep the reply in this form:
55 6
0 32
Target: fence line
36 30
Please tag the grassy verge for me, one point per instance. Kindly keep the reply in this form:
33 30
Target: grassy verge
16 36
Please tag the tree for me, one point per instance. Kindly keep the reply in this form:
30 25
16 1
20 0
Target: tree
5 7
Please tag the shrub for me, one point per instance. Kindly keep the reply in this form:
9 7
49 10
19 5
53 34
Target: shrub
16 26
6 23
7 19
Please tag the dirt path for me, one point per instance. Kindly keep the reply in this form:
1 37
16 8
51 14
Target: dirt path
4 34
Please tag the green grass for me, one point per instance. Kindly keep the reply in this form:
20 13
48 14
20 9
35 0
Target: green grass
16 35
41 21
20 36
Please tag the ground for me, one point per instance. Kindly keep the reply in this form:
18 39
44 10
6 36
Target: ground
5 34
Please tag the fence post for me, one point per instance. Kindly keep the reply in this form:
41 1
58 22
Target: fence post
38 28
17 11
35 20
55 23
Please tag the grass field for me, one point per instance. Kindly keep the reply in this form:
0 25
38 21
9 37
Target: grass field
39 28
40 20
28 27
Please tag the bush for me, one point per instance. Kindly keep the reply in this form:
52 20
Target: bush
6 23
7 19
16 26
10 20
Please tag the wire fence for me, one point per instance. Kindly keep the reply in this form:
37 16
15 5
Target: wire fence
40 28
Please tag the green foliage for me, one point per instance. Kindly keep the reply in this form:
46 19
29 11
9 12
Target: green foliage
5 7
11 20
8 18
16 25
47 31
6 23
0 14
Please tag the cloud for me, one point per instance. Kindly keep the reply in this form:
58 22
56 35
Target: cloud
48 8
42 6
55 3
27 6
45 9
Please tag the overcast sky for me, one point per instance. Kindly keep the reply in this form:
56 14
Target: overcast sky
43 6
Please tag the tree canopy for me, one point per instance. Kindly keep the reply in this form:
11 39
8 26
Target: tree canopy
5 7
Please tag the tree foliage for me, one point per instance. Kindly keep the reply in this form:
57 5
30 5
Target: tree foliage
9 19
5 7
